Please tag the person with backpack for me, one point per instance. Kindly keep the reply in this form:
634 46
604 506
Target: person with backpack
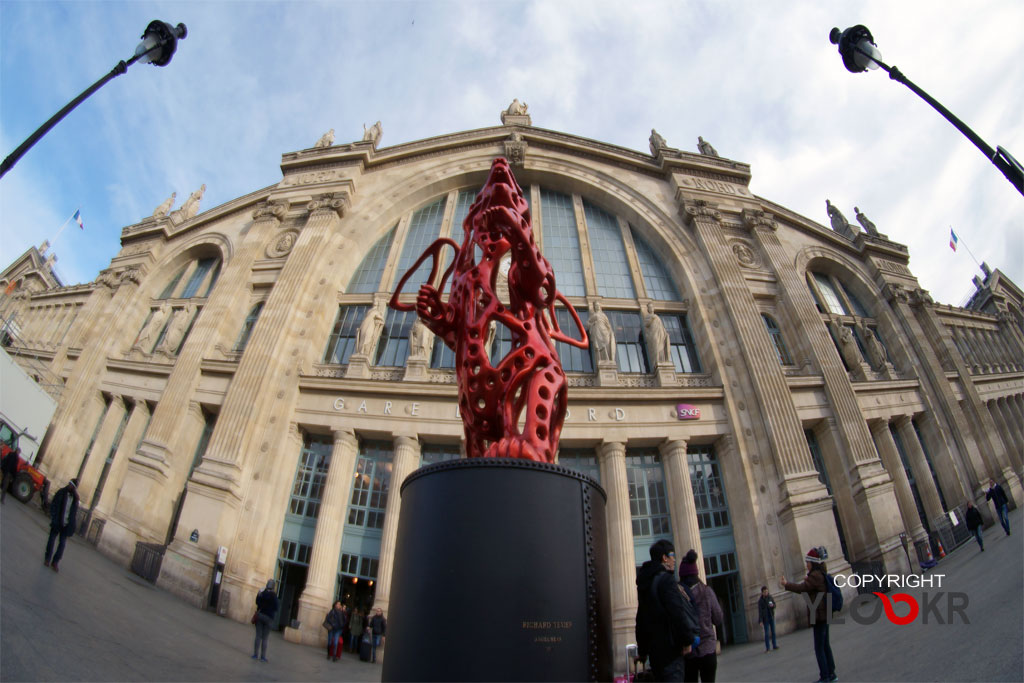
702 662
819 587
666 623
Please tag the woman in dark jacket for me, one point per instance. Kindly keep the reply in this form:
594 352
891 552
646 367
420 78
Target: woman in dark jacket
702 661
334 621
266 610
814 584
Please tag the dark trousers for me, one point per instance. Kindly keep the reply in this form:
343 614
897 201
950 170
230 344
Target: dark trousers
978 537
769 623
8 479
823 652
54 533
1004 517
703 668
671 672
259 645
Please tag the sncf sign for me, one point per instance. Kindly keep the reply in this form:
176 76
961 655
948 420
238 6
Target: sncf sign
684 411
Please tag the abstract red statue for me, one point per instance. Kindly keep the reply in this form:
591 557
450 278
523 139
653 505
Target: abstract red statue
492 398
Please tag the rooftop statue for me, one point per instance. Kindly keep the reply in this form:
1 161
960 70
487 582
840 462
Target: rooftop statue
657 142
838 220
869 227
517 108
326 140
529 378
373 133
705 148
163 209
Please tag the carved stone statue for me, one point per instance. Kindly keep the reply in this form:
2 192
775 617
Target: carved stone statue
326 140
602 336
165 208
657 142
369 331
176 329
869 227
847 345
151 330
876 354
373 133
191 206
419 341
517 108
839 222
657 336
705 148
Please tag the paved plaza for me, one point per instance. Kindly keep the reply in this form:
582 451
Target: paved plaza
96 621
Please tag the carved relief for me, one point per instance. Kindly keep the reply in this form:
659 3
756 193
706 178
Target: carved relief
894 293
893 267
131 274
282 245
745 254
107 279
920 297
515 149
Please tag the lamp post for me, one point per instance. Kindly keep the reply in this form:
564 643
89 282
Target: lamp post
859 52
159 41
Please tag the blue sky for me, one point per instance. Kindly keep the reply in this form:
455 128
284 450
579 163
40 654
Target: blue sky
759 80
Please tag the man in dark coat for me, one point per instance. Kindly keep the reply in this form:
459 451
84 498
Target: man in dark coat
1000 502
663 631
63 519
378 627
816 587
766 616
266 609
974 524
9 467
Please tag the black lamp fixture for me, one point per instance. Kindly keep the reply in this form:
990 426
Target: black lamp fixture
860 53
159 41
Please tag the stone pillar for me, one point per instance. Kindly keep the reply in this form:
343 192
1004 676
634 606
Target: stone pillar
1012 428
682 506
322 578
922 473
407 459
92 464
622 562
904 495
133 433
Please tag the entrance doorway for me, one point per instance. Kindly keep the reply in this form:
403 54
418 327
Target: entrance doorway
730 597
357 593
291 582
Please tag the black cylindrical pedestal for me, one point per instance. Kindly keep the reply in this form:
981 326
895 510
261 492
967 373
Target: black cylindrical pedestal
500 574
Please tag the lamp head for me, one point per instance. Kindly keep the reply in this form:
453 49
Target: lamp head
857 48
159 41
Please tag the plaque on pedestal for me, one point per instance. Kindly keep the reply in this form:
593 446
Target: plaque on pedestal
358 367
607 373
500 574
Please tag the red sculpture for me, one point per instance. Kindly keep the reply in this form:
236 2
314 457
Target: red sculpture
492 398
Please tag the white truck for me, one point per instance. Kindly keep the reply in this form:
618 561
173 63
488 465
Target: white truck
25 413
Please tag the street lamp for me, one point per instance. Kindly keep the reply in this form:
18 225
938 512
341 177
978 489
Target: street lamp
159 41
859 52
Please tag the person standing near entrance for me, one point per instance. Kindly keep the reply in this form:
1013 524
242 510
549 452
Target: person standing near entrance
975 524
1000 502
766 616
333 622
702 662
666 626
355 627
266 610
378 626
9 467
816 587
63 519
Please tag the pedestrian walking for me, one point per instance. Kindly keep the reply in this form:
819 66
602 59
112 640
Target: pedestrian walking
333 622
355 627
378 626
666 623
816 586
63 519
1000 502
766 617
974 524
702 662
9 468
266 610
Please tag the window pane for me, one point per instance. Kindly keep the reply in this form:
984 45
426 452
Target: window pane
250 322
310 475
611 264
393 347
342 341
708 490
832 301
432 452
168 292
198 275
371 485
629 341
648 502
462 204
681 346
656 278
776 335
424 228
573 359
562 242
582 460
366 279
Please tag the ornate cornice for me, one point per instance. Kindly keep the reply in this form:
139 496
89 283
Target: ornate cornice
920 297
694 209
108 279
132 274
270 210
337 202
755 218
894 293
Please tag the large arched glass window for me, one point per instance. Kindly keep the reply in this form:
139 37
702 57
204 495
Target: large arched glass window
424 228
611 265
562 242
366 279
849 322
656 279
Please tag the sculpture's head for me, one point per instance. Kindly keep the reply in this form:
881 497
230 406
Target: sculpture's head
500 206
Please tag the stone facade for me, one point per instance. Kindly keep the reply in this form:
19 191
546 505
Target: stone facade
220 387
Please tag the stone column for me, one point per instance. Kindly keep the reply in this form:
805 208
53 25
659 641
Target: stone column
682 506
1013 431
407 459
133 433
322 578
92 463
622 562
904 495
919 465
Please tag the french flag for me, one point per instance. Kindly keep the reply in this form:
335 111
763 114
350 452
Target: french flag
78 219
952 239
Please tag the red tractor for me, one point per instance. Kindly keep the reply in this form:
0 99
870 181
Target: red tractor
28 480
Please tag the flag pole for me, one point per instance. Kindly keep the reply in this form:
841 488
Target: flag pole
960 240
63 225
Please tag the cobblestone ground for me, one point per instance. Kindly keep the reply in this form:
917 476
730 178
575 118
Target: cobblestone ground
96 621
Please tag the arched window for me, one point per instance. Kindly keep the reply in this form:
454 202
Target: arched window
656 279
366 279
611 265
424 228
776 335
562 242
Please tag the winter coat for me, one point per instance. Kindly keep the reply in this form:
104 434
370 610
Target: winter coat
9 465
998 496
765 609
355 623
813 584
709 613
61 518
973 518
335 619
378 624
266 603
662 630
